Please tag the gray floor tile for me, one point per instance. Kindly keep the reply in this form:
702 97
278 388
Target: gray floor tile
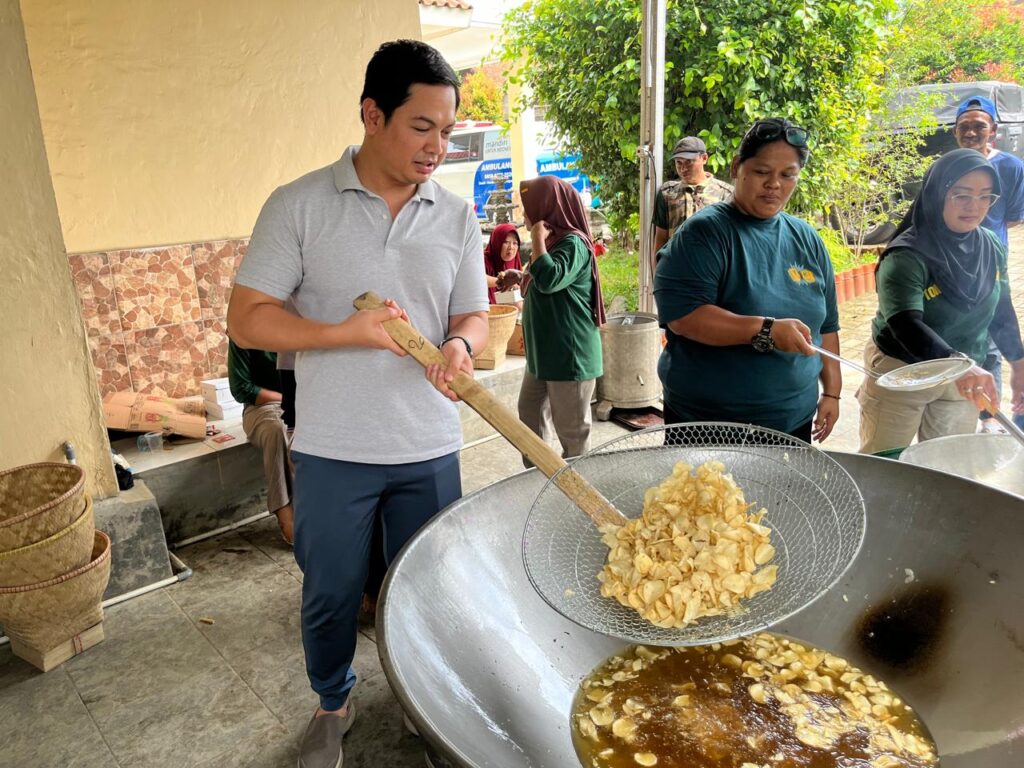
220 563
248 612
265 535
44 722
277 674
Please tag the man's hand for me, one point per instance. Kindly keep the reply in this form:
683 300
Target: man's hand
458 358
365 328
1017 387
825 419
792 335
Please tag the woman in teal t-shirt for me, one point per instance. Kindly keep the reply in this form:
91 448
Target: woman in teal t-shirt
723 278
562 310
941 290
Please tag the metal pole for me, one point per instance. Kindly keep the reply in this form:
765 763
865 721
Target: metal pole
652 132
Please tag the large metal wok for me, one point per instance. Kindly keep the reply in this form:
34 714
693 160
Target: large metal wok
995 460
934 603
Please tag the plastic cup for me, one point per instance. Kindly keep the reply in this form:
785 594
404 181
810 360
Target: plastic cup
150 442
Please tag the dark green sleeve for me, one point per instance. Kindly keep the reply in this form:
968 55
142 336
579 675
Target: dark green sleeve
660 211
561 266
902 279
243 388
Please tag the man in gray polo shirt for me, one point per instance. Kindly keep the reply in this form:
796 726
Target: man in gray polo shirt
373 436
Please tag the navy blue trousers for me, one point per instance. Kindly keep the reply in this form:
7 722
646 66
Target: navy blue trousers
336 503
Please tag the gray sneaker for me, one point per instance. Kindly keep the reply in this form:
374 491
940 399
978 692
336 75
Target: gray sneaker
321 744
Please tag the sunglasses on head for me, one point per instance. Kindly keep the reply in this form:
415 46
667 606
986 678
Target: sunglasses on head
771 129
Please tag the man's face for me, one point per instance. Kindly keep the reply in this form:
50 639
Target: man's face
416 136
691 169
975 130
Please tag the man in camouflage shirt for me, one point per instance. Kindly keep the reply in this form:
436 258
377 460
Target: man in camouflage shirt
694 189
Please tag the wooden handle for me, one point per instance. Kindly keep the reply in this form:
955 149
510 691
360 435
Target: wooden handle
572 484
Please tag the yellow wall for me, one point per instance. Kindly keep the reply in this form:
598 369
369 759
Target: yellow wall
171 122
48 390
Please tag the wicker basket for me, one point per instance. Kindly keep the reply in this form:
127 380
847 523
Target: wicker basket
502 322
43 616
63 552
38 501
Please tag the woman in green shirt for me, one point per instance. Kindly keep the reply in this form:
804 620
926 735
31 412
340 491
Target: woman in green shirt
562 311
732 268
942 289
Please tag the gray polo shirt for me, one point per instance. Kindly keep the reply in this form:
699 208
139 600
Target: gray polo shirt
324 239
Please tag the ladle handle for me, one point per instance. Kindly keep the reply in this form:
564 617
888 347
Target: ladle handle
845 361
1004 421
572 484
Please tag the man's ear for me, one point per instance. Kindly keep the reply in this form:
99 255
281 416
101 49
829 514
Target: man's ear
373 117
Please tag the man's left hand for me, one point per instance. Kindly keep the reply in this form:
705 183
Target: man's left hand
458 358
1017 387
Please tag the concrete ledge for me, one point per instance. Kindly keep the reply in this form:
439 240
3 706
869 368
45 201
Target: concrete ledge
139 549
502 382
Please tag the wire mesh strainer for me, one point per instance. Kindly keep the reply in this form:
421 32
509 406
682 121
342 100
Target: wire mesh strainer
815 511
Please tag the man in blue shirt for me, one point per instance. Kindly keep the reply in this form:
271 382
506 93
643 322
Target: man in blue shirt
976 129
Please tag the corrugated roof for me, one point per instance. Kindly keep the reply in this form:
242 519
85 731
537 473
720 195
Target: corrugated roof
459 5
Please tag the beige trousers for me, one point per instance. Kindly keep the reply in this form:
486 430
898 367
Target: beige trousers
559 407
265 429
890 420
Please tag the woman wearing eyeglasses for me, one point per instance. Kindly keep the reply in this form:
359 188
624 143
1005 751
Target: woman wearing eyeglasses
744 289
942 288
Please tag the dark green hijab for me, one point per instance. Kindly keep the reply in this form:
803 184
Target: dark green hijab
963 265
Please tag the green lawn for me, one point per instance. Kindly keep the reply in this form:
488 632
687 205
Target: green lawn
620 276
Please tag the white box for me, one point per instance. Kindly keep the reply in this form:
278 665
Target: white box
213 389
220 397
508 297
216 411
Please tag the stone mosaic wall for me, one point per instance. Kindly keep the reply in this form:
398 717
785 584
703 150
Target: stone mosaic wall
156 317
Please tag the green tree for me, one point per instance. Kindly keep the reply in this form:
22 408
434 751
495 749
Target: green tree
481 98
728 62
940 41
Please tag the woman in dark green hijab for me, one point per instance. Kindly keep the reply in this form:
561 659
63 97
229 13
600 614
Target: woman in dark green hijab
942 289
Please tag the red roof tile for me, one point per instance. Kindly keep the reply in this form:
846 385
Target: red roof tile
460 5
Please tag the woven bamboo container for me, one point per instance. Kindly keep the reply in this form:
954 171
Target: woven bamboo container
63 552
501 319
38 501
45 615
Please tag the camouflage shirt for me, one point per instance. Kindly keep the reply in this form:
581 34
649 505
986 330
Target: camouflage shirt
677 201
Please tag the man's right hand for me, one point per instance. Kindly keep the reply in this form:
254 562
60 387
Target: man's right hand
791 335
365 328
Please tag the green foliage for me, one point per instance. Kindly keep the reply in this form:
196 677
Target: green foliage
728 63
619 271
839 252
865 193
481 98
942 41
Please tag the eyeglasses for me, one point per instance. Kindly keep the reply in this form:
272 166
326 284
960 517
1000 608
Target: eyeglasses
963 200
773 128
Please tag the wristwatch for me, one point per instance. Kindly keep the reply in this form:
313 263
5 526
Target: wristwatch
763 341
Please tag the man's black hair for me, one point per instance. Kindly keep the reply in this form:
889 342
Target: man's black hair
397 66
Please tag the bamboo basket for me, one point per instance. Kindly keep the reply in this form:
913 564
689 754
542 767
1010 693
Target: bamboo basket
63 552
45 615
38 501
501 320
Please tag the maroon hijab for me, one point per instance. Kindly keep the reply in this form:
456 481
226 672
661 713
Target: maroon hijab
558 205
493 263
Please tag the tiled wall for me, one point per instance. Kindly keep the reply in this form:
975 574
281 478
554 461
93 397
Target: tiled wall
156 317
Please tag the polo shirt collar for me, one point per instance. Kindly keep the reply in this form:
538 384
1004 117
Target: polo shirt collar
346 178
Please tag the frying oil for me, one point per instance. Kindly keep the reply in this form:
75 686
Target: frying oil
762 701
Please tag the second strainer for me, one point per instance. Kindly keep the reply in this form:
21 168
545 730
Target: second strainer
815 511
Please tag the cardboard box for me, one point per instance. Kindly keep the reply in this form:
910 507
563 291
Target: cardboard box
150 413
219 411
216 390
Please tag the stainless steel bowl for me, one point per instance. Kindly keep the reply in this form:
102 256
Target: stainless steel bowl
487 671
995 460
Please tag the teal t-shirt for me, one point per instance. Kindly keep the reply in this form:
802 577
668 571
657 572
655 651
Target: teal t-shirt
562 343
775 267
905 284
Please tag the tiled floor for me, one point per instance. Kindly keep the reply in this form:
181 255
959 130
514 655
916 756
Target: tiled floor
209 672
